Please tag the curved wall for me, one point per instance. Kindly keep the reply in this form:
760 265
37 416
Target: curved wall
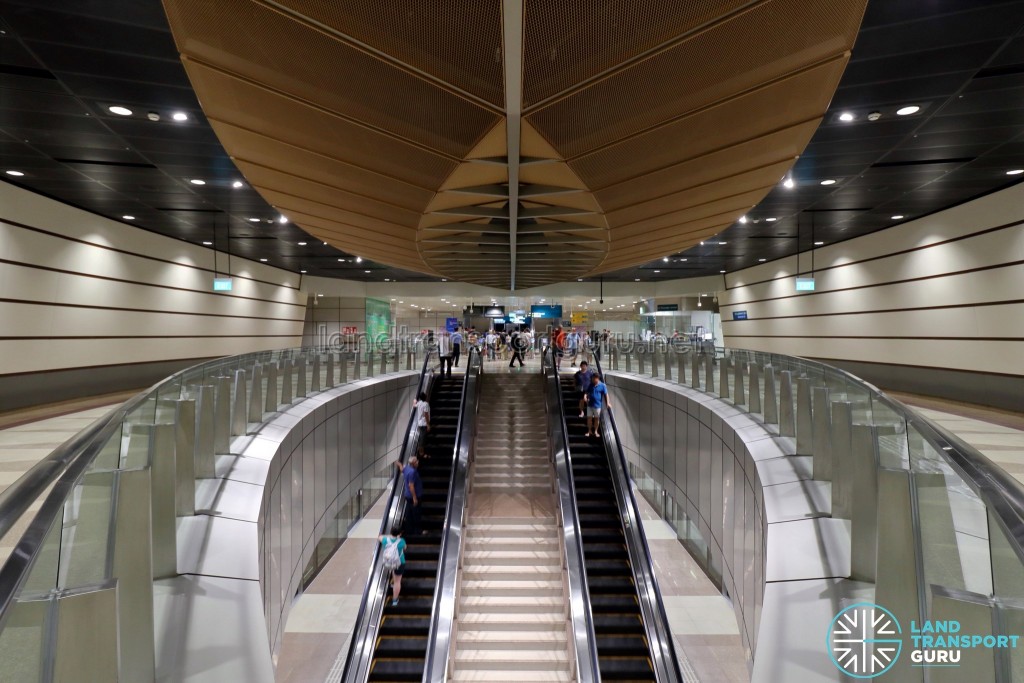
282 501
933 306
89 305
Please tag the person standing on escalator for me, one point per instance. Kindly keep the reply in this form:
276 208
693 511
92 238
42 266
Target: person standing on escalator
412 492
456 346
394 560
596 399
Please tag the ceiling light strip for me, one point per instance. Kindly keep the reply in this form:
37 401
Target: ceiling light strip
512 29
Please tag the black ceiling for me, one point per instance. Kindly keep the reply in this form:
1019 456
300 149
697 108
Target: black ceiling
64 62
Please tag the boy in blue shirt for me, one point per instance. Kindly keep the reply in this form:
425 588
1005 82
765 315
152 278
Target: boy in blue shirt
596 399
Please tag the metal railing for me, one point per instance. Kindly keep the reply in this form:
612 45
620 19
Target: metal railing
108 502
935 527
371 606
659 636
580 613
446 588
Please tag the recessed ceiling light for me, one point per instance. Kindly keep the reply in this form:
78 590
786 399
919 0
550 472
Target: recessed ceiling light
128 218
743 219
401 302
896 217
366 271
846 116
16 174
657 271
282 220
908 110
197 181
788 183
303 272
828 181
579 279
818 244
682 260
254 220
179 116
761 260
721 271
665 259
153 116
341 260
207 244
771 220
1016 171
301 244
237 184
723 242
359 259
636 279
392 299
444 279
263 260
120 111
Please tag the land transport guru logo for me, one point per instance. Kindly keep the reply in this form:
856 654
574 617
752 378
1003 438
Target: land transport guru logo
865 640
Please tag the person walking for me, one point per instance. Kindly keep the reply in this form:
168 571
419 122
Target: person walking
581 380
444 352
394 560
456 346
558 344
596 399
412 492
490 341
518 345
572 343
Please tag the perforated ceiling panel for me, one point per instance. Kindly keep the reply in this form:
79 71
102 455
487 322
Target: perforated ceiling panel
644 126
457 41
569 41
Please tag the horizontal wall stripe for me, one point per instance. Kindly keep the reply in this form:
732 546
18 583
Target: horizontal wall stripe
879 257
876 284
831 314
919 367
145 310
29 373
224 295
57 235
867 336
155 336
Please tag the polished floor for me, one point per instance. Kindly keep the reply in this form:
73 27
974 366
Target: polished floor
318 628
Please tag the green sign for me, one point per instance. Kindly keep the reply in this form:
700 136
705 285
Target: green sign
378 321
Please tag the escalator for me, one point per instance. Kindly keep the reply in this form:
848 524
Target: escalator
400 648
622 647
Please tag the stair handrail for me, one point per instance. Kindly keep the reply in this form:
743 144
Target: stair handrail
580 608
652 607
442 614
371 606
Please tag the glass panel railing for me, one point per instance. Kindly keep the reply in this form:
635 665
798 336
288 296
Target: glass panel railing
944 535
82 505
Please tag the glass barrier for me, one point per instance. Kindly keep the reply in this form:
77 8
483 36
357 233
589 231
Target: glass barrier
92 548
936 529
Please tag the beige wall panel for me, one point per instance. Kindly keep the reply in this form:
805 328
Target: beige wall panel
1003 284
38 320
171 296
1006 321
873 292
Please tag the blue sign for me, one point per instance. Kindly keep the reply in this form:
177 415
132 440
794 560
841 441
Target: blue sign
805 284
739 315
546 312
451 324
222 284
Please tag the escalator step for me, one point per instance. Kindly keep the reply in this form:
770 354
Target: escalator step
617 604
397 669
403 625
403 646
610 624
623 646
625 669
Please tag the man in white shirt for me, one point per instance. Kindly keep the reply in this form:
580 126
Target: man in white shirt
444 351
491 341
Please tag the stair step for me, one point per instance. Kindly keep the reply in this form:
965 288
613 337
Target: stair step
471 638
517 661
547 521
522 605
517 487
483 676
513 621
510 530
496 588
523 543
483 572
513 557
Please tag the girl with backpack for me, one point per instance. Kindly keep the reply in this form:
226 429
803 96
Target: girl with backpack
394 560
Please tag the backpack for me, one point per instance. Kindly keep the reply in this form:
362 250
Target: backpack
392 558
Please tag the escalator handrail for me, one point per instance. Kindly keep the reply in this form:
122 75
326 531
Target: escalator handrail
581 611
442 614
364 635
652 607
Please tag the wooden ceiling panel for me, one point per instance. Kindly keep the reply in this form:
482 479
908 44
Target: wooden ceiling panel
764 42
